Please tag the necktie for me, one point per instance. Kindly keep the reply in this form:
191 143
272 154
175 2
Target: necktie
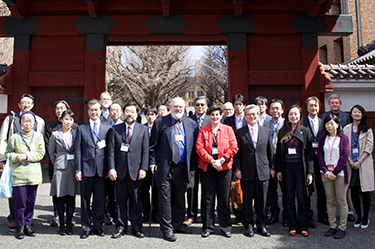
176 148
313 126
200 121
96 133
253 137
129 134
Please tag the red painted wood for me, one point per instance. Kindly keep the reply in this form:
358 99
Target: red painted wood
58 53
65 24
275 78
310 60
237 73
201 25
57 79
268 24
135 25
21 68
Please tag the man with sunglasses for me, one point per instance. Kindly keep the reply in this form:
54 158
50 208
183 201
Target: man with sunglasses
200 106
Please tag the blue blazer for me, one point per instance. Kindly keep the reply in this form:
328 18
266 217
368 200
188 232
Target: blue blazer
88 157
232 122
161 146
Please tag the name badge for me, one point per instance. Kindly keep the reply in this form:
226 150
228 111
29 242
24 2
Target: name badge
292 151
101 144
70 157
124 147
315 144
215 150
355 151
180 137
331 167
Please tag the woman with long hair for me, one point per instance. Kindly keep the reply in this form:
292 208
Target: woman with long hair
295 167
360 161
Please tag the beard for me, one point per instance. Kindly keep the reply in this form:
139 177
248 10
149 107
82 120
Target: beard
177 116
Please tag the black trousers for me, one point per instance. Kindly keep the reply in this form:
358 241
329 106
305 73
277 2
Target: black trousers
171 195
273 198
128 191
215 183
366 199
295 182
192 198
146 204
50 175
109 198
256 190
92 185
321 204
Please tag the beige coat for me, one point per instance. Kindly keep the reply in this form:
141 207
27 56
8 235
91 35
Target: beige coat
366 169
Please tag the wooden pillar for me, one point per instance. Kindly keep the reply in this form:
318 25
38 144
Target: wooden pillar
237 66
21 68
95 61
310 69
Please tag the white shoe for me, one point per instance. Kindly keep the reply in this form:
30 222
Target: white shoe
365 226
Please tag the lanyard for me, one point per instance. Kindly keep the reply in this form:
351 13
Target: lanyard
126 139
58 126
354 138
66 142
23 139
331 147
215 139
178 128
275 127
312 128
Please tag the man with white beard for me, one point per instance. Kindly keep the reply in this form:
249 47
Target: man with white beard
106 102
173 160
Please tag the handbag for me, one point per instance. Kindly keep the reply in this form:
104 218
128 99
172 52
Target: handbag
6 188
236 194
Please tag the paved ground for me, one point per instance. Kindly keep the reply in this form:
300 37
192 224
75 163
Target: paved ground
47 236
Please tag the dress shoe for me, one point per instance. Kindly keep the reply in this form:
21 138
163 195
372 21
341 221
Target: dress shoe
292 232
169 236
339 234
305 234
323 220
285 223
249 232
69 229
139 234
206 233
330 232
29 232
99 232
264 232
62 232
184 230
351 218
20 234
312 224
226 234
118 234
188 222
12 224
365 224
273 220
55 221
84 234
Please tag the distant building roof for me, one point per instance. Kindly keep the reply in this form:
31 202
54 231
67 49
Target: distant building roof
366 55
353 71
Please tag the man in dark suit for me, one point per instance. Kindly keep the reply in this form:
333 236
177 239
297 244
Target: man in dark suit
90 160
106 101
254 163
272 203
262 102
237 121
334 103
151 113
315 125
128 154
173 160
202 120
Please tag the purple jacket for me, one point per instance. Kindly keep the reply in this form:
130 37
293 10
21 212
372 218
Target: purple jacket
344 156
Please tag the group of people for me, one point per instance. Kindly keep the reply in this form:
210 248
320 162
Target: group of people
113 162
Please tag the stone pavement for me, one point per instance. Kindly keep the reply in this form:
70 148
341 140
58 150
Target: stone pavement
47 236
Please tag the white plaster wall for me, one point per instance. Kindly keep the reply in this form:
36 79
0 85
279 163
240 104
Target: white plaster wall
3 103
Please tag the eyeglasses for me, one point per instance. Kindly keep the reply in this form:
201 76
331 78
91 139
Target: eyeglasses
200 104
228 110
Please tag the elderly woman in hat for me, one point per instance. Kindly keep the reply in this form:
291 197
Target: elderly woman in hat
25 151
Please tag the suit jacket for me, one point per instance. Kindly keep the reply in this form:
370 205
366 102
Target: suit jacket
343 117
266 120
232 122
250 159
161 146
206 120
107 121
88 157
274 133
137 156
58 150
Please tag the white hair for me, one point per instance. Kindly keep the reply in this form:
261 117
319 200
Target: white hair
252 106
176 98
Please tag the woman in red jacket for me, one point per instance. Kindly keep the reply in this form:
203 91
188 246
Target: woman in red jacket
216 146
